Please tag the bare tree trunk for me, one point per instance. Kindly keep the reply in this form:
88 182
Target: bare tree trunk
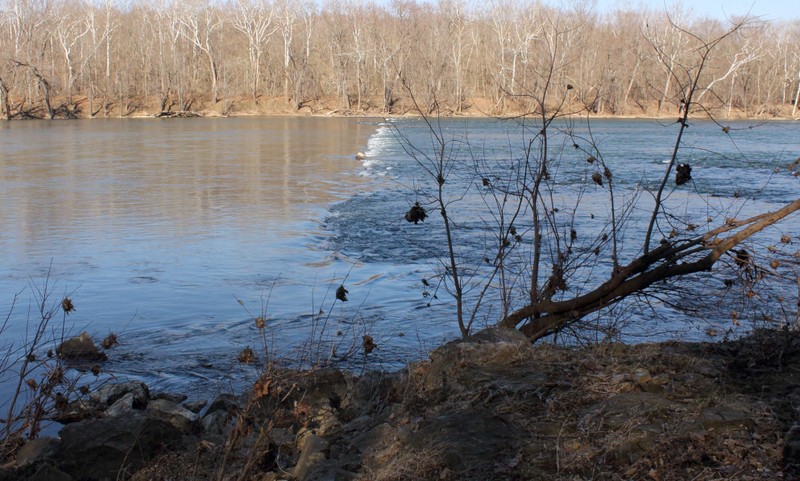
43 82
5 108
212 64
46 87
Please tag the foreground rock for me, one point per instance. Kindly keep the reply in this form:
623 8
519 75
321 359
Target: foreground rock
80 348
491 407
104 448
110 433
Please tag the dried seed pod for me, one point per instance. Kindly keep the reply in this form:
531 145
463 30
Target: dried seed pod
556 282
61 402
369 344
597 178
110 341
67 306
56 377
246 356
341 293
416 213
683 174
742 258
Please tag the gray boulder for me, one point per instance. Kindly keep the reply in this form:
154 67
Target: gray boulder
224 402
100 449
311 453
111 393
215 426
174 414
195 406
36 450
123 406
49 473
176 398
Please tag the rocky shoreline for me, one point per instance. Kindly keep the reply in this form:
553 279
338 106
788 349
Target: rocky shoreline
488 407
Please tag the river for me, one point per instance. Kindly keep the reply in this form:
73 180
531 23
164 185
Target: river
176 234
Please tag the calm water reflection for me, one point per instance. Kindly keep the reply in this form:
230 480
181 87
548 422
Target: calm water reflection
157 227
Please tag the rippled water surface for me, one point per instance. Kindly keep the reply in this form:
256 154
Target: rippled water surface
175 234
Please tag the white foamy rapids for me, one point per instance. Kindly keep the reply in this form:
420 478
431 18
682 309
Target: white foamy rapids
376 147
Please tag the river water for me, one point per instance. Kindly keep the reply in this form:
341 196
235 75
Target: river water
176 234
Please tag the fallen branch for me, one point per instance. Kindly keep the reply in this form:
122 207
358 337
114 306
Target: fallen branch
665 262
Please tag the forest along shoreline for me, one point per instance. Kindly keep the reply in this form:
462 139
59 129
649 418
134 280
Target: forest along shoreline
491 406
473 108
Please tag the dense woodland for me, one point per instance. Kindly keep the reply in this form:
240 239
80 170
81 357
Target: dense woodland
78 58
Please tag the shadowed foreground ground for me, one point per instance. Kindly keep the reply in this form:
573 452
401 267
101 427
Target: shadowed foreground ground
493 407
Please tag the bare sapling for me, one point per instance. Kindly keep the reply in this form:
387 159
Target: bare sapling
537 272
40 384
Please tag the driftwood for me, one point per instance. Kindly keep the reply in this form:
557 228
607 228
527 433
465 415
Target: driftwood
670 259
181 114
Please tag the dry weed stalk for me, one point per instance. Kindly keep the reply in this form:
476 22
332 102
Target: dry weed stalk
42 384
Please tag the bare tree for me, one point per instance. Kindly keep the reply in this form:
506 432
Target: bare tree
198 23
669 43
797 93
461 47
351 53
287 19
43 82
70 29
5 107
254 18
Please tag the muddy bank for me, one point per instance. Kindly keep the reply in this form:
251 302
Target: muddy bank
490 407
144 107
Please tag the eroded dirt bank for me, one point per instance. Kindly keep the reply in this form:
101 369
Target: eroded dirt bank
491 407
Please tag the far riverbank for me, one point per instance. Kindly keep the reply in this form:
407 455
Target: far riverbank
84 108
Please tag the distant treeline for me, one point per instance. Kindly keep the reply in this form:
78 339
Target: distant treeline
66 58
